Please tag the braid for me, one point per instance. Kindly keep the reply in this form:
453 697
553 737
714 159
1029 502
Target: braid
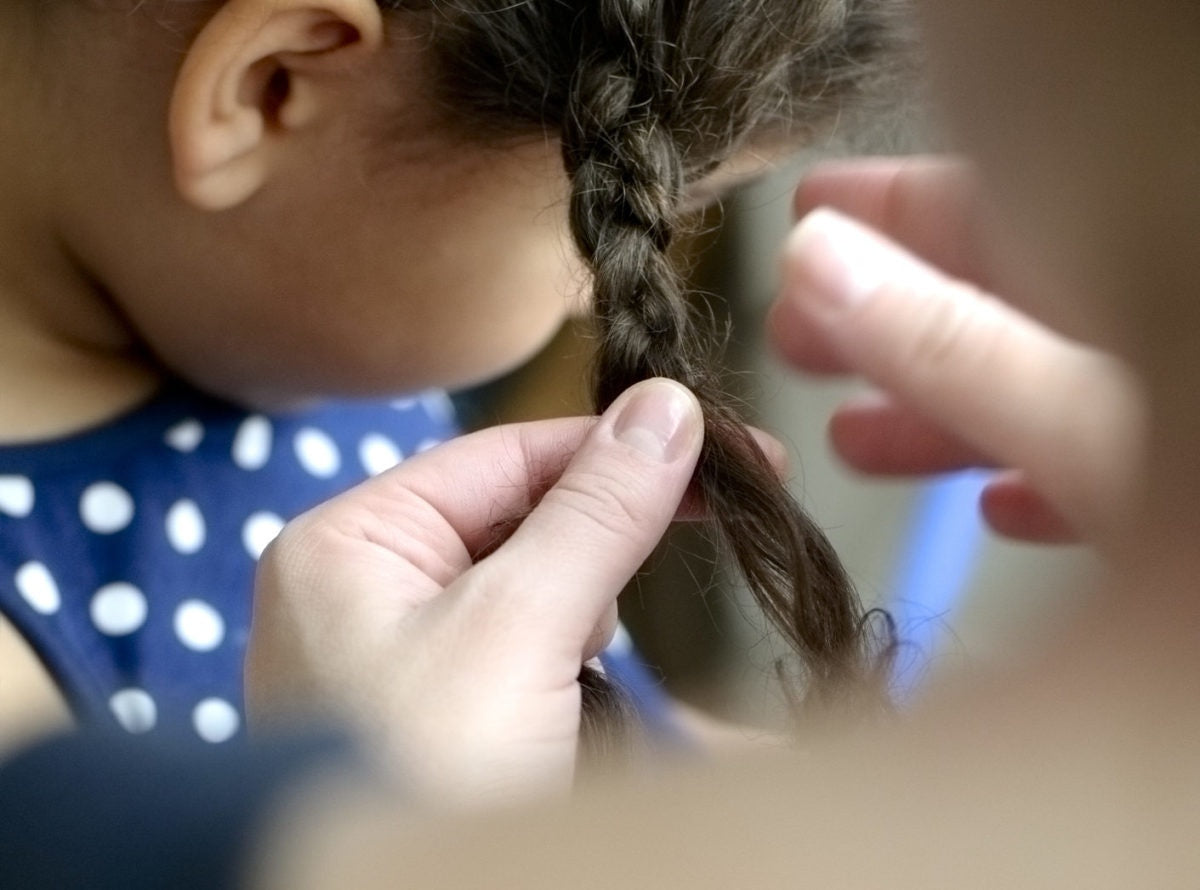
627 176
648 97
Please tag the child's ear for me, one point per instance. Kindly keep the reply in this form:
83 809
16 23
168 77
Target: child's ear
259 72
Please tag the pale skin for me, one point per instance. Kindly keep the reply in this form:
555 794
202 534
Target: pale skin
1080 769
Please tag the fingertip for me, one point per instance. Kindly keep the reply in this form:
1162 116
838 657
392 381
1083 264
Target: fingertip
1014 510
773 450
660 418
834 262
796 328
853 437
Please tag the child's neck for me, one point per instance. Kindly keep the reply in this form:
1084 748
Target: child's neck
50 389
65 360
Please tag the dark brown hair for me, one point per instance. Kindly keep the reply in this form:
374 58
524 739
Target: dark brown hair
648 97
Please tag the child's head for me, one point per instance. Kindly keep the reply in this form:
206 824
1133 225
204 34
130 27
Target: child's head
286 197
260 193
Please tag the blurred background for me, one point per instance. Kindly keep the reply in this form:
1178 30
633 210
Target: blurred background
963 600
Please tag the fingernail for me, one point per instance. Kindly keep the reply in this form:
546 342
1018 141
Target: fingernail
658 418
837 261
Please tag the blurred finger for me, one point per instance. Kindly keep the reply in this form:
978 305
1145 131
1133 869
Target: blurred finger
1015 510
874 435
1003 384
805 346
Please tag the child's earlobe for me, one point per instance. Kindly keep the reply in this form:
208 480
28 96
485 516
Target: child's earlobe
258 74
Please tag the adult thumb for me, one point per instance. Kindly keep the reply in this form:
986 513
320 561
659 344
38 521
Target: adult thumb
594 528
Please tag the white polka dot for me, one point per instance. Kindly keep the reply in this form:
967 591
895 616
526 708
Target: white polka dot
118 609
406 404
186 436
317 453
16 496
427 444
185 527
378 453
38 588
106 508
438 405
216 720
252 444
135 710
259 531
199 626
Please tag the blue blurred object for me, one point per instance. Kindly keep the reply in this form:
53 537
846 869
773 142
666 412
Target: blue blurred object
937 562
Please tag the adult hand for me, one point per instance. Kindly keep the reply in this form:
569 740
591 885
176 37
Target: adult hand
962 379
380 607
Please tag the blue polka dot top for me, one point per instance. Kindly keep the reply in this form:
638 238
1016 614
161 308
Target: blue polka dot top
127 552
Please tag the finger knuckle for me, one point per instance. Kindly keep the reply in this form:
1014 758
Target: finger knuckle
949 332
287 556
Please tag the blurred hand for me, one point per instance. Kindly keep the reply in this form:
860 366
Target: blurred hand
380 607
961 378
